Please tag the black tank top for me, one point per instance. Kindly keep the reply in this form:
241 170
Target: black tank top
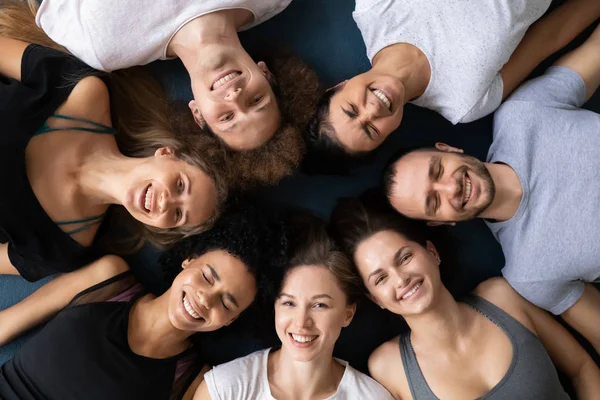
83 353
531 375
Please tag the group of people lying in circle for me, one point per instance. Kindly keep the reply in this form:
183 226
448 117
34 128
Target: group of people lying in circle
92 147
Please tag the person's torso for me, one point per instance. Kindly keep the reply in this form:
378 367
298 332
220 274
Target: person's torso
553 151
83 353
115 34
466 42
530 373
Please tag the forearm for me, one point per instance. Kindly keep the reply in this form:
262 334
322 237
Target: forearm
545 37
587 381
6 267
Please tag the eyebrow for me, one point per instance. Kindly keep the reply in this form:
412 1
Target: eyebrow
214 273
398 255
231 299
364 127
376 272
434 163
317 296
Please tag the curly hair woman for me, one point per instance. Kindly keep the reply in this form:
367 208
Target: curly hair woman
110 338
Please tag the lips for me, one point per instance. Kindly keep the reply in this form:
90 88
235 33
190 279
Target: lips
302 340
383 97
467 190
410 291
191 308
224 78
147 198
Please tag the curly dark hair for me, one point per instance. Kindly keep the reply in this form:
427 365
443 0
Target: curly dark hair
253 235
325 153
297 90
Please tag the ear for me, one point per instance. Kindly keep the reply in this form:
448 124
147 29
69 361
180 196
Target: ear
350 311
196 113
440 223
431 249
266 72
374 300
339 85
447 148
164 151
186 263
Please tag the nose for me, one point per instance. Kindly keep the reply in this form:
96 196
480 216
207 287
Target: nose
371 110
166 202
401 279
233 93
302 319
204 299
447 188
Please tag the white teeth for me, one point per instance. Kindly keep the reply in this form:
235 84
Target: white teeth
467 190
148 200
224 79
303 339
190 310
381 96
413 290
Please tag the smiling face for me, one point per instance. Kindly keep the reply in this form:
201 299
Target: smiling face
167 193
401 276
441 186
211 292
366 109
233 96
310 312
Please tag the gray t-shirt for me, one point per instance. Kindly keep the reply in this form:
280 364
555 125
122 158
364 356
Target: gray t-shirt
551 243
467 42
246 379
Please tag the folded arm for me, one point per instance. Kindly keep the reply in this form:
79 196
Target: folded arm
48 300
584 316
547 36
566 352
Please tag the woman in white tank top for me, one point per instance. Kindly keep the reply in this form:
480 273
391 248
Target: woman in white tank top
315 301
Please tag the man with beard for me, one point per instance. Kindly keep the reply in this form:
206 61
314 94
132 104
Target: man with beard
538 190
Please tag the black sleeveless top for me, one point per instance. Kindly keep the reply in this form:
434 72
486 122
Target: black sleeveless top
37 247
531 375
84 353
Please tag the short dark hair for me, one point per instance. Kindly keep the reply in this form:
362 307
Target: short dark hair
310 244
387 178
245 231
325 153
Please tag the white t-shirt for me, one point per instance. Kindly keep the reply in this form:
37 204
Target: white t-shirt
246 379
467 42
115 34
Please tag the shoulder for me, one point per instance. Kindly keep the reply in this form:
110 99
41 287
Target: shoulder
361 385
234 376
386 367
90 99
501 294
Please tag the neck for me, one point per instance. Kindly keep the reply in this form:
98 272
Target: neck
442 326
407 63
509 193
100 177
205 33
151 333
304 380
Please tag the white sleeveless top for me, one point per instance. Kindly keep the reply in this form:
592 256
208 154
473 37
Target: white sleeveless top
467 42
115 34
246 379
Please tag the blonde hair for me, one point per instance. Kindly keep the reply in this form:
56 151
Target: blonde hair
142 116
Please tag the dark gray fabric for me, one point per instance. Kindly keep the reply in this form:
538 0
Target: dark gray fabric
531 375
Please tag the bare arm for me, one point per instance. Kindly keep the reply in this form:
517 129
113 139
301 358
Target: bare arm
6 267
192 390
202 392
48 300
11 54
566 352
545 37
584 316
385 366
585 60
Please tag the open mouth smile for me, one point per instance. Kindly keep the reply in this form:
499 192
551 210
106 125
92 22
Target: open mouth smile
382 97
466 190
191 308
147 198
222 80
410 292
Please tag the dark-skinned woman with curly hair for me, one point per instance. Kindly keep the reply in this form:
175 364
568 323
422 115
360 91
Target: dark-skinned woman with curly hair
110 338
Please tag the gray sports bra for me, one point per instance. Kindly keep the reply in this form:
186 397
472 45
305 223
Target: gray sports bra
531 375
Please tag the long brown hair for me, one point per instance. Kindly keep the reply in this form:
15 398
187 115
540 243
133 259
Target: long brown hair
140 113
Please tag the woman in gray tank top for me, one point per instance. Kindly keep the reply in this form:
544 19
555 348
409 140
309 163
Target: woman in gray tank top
492 344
